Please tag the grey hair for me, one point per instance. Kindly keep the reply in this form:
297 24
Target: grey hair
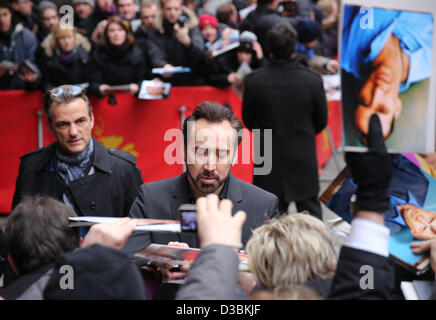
66 96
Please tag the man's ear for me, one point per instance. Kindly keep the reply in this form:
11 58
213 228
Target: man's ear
91 117
50 126
235 157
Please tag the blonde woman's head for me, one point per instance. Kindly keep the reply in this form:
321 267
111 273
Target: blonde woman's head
291 251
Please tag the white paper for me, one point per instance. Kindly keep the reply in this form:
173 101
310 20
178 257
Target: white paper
408 290
243 70
173 227
177 69
146 84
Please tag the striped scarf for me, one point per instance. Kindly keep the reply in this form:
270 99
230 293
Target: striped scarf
71 168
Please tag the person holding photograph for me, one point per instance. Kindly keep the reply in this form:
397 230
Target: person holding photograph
118 62
224 68
66 58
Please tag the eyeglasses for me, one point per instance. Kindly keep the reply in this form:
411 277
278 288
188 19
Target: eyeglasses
75 90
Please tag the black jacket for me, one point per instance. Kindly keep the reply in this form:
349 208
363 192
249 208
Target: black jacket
86 26
347 281
161 200
289 98
106 66
224 64
27 22
116 277
109 192
141 34
57 72
164 48
261 20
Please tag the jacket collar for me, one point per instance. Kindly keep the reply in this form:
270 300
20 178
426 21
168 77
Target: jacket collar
234 190
263 9
192 20
182 189
101 160
48 153
294 61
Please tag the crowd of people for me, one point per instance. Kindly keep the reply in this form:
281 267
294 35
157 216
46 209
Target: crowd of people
111 43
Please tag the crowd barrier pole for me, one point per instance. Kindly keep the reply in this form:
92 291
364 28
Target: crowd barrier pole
40 129
182 110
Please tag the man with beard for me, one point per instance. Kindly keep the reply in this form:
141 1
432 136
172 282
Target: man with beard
211 137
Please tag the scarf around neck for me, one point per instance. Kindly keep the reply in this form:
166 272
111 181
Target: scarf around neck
67 57
117 52
71 168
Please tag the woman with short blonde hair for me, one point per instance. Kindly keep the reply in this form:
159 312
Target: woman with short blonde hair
65 59
291 250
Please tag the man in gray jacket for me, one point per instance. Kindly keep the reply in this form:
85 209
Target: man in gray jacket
208 165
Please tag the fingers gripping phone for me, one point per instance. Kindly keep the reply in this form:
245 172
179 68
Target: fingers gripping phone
188 217
181 21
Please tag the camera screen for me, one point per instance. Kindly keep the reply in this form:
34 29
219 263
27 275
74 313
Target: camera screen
188 220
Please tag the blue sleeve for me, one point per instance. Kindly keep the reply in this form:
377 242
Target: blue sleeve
364 35
413 29
31 44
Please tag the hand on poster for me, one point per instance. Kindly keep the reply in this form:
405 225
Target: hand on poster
426 246
332 66
380 92
158 90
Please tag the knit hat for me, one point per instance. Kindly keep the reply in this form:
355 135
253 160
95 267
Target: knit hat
90 2
46 4
246 40
247 36
308 30
206 19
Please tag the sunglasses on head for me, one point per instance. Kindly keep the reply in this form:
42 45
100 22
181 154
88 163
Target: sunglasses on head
75 90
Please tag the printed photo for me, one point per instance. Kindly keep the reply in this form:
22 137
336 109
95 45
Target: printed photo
386 61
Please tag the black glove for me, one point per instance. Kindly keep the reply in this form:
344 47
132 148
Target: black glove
371 171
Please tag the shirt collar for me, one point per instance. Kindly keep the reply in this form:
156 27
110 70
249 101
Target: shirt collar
223 194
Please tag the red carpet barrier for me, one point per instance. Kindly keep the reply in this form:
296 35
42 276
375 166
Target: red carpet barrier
334 123
141 127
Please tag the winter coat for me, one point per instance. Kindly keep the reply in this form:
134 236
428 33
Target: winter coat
21 46
164 48
56 71
114 66
287 97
